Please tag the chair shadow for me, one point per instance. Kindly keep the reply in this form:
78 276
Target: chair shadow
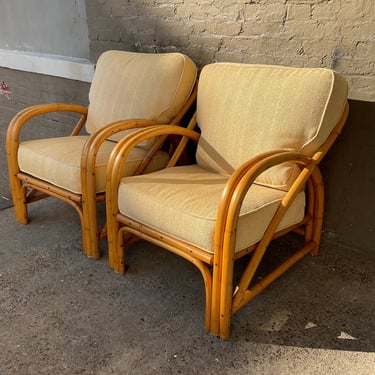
323 302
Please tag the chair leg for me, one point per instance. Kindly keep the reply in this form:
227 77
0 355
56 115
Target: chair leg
115 244
90 242
116 247
90 228
317 226
309 226
214 325
19 200
316 209
222 291
226 293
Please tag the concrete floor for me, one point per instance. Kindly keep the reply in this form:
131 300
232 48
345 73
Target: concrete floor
62 313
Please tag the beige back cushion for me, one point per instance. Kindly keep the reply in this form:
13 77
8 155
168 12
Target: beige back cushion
129 85
244 110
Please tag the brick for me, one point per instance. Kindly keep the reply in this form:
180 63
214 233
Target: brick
228 28
298 12
326 12
162 12
262 28
365 49
361 87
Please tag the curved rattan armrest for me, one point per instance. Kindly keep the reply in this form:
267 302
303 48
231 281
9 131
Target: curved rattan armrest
92 146
241 180
123 148
22 117
228 215
96 139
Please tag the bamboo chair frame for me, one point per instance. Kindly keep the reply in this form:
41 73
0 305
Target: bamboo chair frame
26 188
222 300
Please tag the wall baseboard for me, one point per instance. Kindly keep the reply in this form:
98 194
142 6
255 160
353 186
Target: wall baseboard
54 65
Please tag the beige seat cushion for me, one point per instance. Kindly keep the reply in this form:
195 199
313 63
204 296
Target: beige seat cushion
244 110
129 85
58 161
183 202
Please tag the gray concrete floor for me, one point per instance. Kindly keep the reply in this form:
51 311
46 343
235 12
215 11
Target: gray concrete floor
62 313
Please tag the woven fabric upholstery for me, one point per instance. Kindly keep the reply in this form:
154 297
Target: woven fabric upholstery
130 85
245 110
183 202
58 161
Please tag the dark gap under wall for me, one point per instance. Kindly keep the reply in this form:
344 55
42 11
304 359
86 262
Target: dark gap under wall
349 175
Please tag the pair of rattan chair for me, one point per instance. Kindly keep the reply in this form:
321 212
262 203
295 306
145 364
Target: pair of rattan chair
260 133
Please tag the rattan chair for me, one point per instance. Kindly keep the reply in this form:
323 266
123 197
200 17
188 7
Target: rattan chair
263 132
128 91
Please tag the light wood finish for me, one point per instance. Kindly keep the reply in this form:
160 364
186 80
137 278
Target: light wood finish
222 300
27 189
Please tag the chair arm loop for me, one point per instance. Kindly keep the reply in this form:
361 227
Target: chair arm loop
125 145
241 180
22 117
95 140
92 146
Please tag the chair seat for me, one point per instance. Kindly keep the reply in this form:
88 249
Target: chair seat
170 200
58 161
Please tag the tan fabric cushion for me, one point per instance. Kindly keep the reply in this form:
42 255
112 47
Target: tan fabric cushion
129 85
183 202
58 161
244 110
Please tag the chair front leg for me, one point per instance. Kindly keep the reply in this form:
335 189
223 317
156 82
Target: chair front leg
19 199
115 238
223 289
318 184
90 227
